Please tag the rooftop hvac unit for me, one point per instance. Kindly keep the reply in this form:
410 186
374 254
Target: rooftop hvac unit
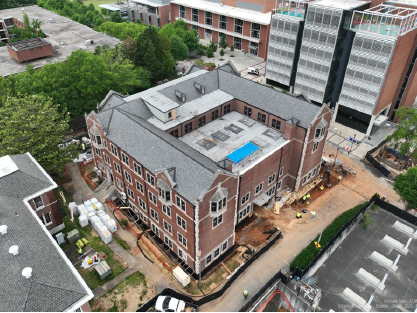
89 42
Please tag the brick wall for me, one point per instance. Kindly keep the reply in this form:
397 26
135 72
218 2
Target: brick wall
164 15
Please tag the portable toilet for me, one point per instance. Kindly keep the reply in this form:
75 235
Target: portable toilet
103 269
181 276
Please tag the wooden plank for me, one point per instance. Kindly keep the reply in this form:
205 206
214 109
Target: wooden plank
226 268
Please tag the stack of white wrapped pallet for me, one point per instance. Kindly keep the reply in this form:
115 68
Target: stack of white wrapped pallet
102 230
83 219
109 222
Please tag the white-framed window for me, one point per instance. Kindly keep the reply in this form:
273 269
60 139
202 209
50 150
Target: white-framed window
142 204
182 12
208 259
224 246
130 194
98 151
182 255
105 143
128 177
167 210
155 215
152 197
155 229
38 203
259 188
150 179
164 194
238 26
279 185
270 191
182 240
222 23
237 43
133 207
114 150
168 242
315 146
106 159
209 18
180 203
243 213
137 168
216 253
181 222
271 179
143 217
311 174
167 227
139 187
125 159
245 198
217 220
217 206
46 219
320 132
119 183
281 171
117 167
194 13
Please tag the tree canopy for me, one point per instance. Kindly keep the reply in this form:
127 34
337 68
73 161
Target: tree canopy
8 4
404 139
81 82
122 30
406 187
32 123
178 49
29 31
115 17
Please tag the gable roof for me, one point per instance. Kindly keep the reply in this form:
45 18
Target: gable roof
230 68
55 285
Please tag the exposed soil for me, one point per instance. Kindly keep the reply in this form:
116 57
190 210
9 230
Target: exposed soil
127 299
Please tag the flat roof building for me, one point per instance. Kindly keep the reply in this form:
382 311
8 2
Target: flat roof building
63 35
244 23
357 56
193 156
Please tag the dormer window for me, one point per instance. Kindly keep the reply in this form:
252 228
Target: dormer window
96 137
218 203
164 191
201 89
180 95
320 130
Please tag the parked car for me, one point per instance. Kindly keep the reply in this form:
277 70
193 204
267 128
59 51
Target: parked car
253 71
169 304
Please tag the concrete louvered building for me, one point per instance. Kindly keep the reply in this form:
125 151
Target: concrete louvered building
357 56
195 155
35 275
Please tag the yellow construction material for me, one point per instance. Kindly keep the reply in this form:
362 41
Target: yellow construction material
276 208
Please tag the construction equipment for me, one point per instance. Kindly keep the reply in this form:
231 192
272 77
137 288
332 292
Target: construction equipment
298 195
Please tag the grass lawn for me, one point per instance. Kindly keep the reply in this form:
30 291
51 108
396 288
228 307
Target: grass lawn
91 278
97 2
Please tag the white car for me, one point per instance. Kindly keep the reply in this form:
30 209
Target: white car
169 304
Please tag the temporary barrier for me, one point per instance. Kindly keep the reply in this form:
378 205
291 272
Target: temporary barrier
380 167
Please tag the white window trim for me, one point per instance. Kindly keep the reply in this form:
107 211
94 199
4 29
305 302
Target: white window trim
227 245
260 190
244 209
170 210
104 143
181 200
248 194
153 196
159 231
184 255
172 242
155 213
144 203
105 160
163 224
311 176
281 171
217 217
128 193
117 166
127 174
117 184
44 219
150 184
124 155
182 219
143 190
314 144
181 243
115 148
41 207
272 181
141 169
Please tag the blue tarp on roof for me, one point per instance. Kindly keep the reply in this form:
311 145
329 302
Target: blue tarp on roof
241 153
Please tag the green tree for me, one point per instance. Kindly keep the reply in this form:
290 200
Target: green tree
115 17
406 187
232 48
404 139
32 123
200 51
213 46
178 49
29 30
104 12
8 4
122 30
223 43
221 52
210 53
191 40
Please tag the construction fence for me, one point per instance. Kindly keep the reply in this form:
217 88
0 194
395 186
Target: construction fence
302 272
379 166
396 211
210 297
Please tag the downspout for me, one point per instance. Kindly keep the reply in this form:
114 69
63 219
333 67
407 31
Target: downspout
300 168
279 169
123 176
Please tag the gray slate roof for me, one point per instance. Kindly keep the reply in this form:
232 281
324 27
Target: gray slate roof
53 286
156 150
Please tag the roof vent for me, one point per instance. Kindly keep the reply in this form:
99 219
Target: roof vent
180 95
14 250
27 272
89 42
3 229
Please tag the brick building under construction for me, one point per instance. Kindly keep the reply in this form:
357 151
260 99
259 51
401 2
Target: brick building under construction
193 156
